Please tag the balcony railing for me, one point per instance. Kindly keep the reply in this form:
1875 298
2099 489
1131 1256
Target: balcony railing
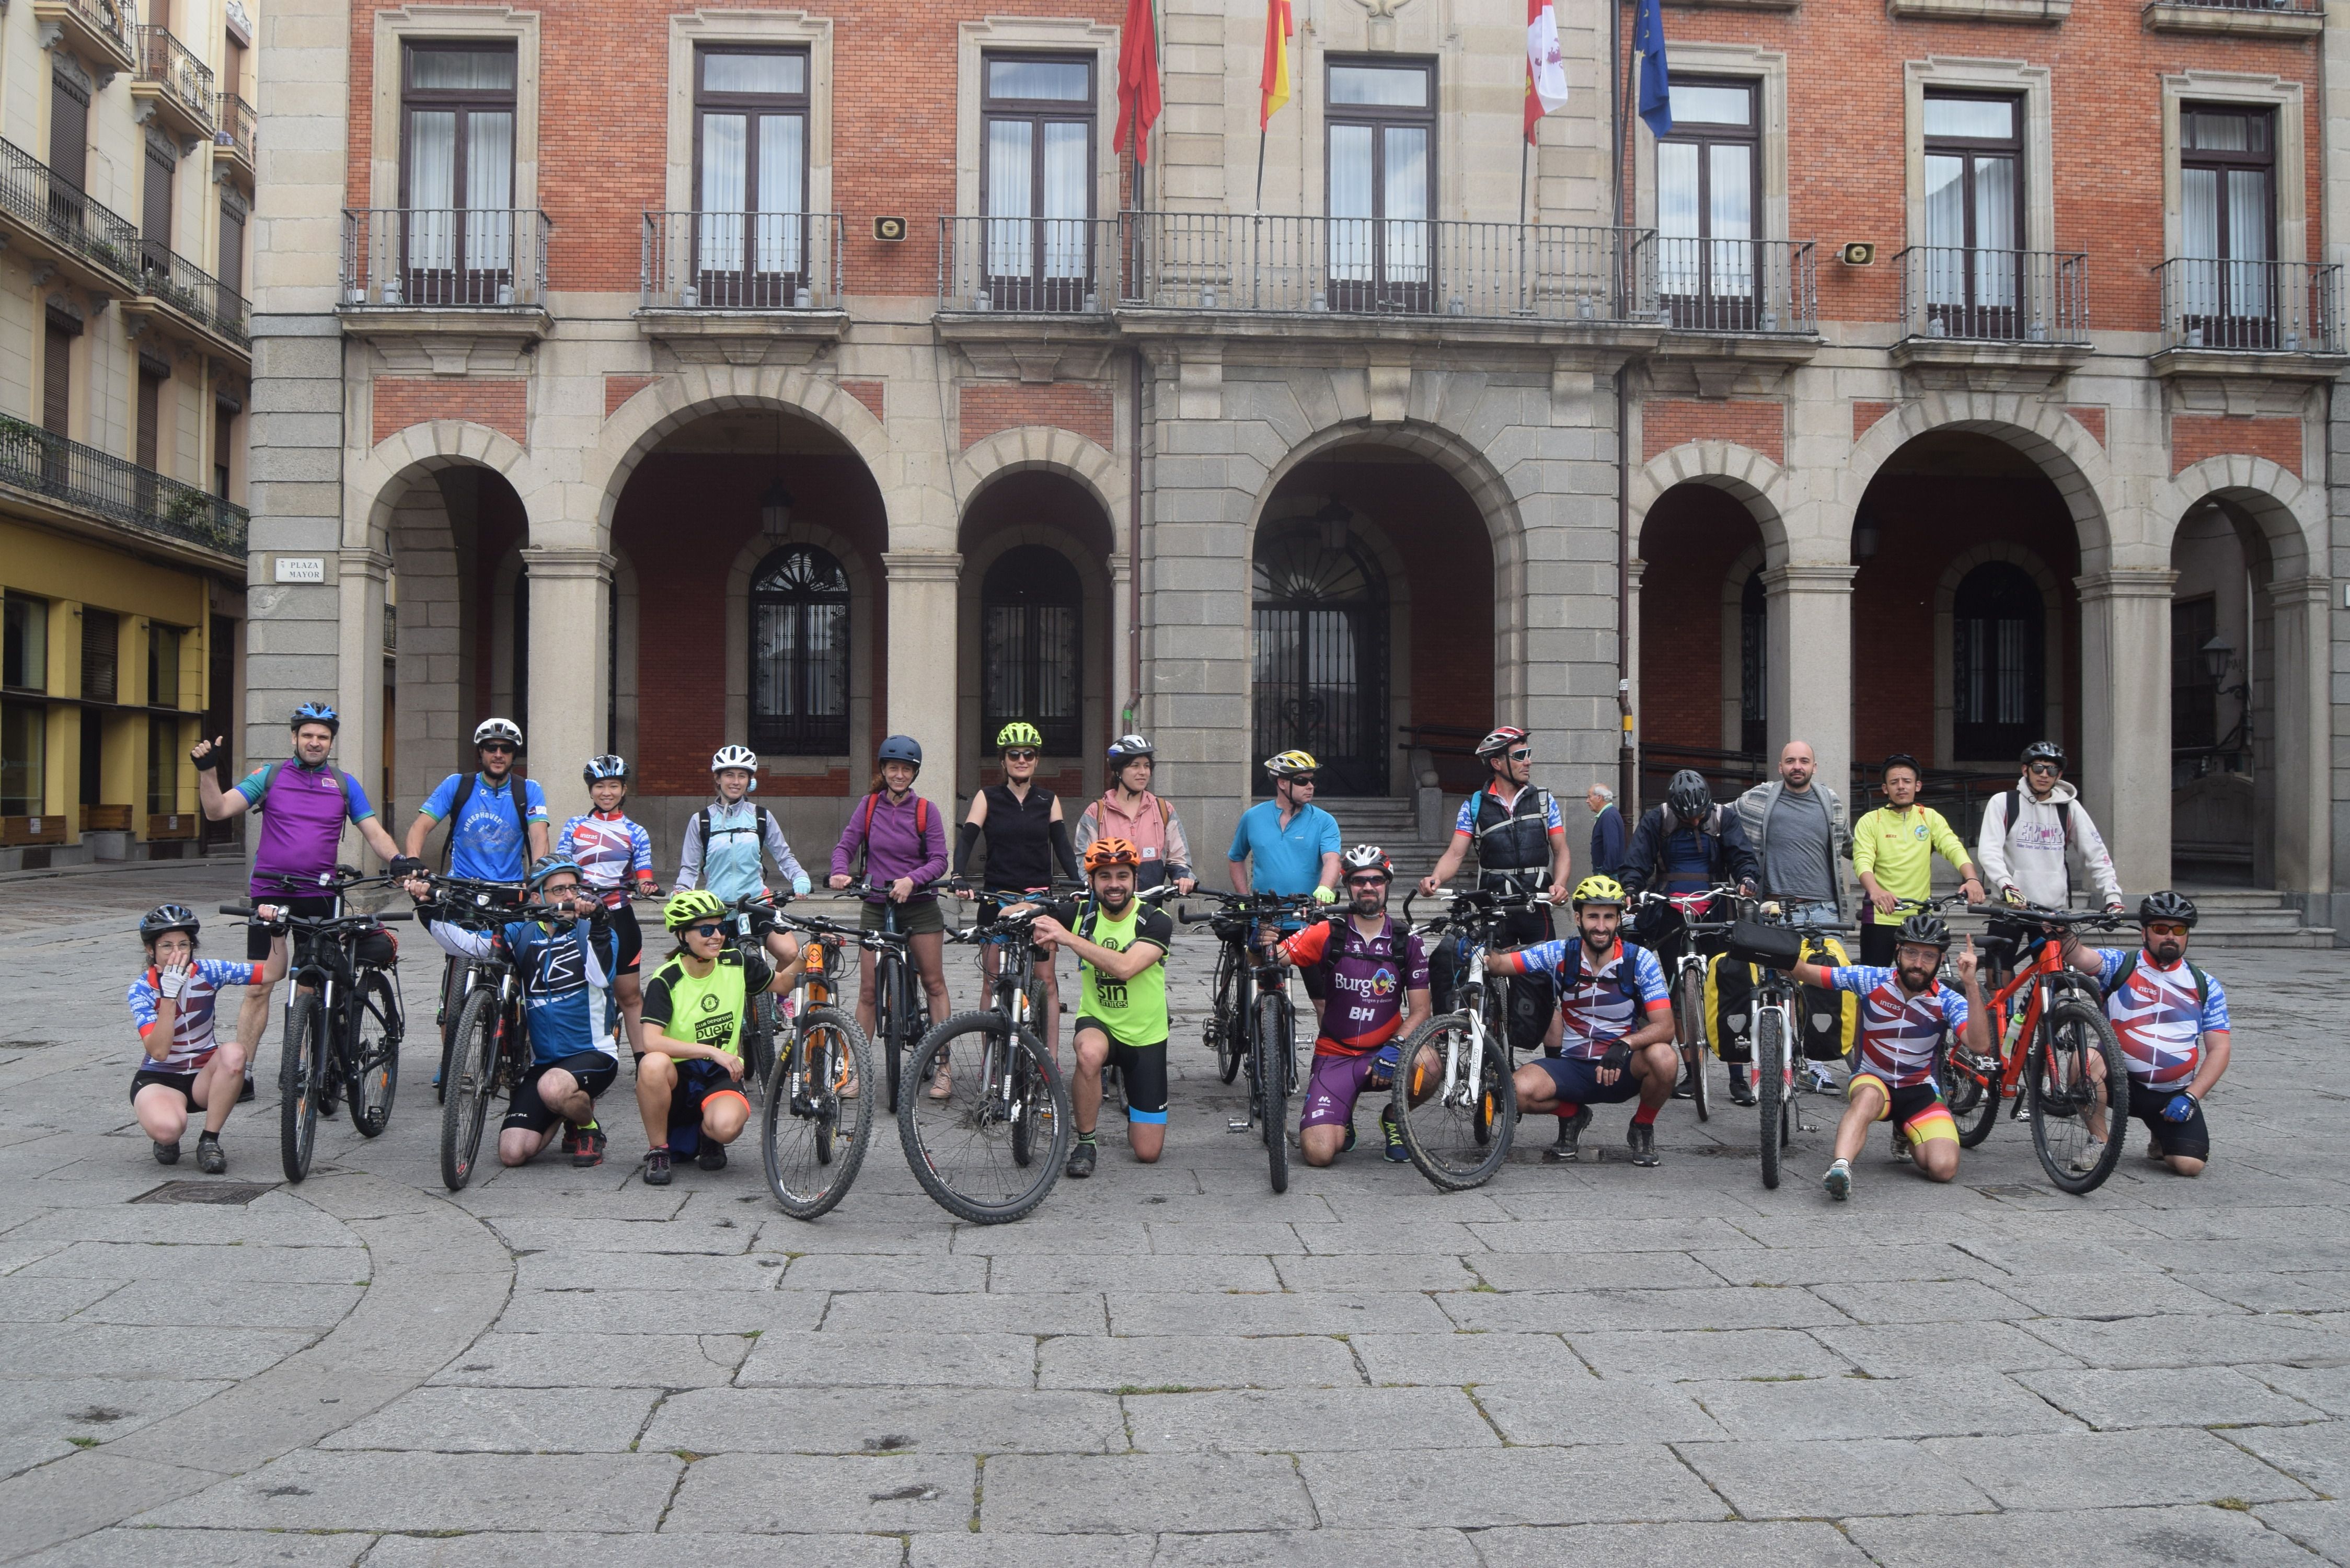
111 19
445 258
1027 266
2252 306
742 261
1360 266
174 278
233 121
172 66
1733 286
1995 295
89 480
64 215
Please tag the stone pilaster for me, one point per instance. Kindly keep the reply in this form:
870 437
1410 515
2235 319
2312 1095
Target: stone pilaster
2126 718
570 669
1808 609
922 654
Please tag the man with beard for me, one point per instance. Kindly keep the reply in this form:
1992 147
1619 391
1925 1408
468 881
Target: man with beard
2171 1019
1122 945
1375 983
1616 1036
1904 1011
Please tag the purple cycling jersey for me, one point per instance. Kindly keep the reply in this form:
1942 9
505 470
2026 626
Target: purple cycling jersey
303 810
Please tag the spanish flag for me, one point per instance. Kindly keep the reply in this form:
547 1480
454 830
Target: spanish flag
1275 85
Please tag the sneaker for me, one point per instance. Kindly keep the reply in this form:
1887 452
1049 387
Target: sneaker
167 1154
247 1093
656 1166
1742 1085
1348 1146
1819 1080
1570 1131
570 1138
2086 1160
1640 1137
589 1151
1396 1153
1682 1090
209 1157
942 1082
713 1155
1081 1160
1838 1181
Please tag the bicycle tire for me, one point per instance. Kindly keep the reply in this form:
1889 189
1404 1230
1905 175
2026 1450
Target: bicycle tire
301 1066
888 1025
1020 1082
371 1035
1770 1087
1224 1026
472 1080
1274 1050
1690 1015
972 1126
837 1128
2058 1092
1973 1105
1492 1115
759 1055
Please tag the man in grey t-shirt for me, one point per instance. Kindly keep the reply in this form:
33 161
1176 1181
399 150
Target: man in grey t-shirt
1797 827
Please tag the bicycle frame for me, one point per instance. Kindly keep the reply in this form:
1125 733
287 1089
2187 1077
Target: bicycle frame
2031 983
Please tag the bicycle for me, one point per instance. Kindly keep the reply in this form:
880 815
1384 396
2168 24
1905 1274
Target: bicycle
507 899
1461 1064
343 1022
1772 1027
818 1119
898 1019
1013 1101
489 1053
1267 1043
2061 1013
754 917
1686 986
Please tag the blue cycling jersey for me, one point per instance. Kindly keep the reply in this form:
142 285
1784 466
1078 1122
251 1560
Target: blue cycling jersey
566 983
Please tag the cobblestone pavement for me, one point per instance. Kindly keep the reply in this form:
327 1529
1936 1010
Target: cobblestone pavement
1587 1364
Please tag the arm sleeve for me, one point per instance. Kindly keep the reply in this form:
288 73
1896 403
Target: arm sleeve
934 850
567 839
2109 964
1552 821
1864 845
688 855
1465 819
779 849
1990 843
2099 864
222 972
1651 976
640 851
533 801
355 801
255 784
602 946
436 804
1640 853
1947 843
1744 864
456 938
1240 849
142 999
1308 945
1955 1008
1061 850
966 839
1179 847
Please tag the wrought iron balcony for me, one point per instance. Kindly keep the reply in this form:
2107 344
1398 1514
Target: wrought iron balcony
1983 294
1060 266
215 307
2252 306
57 220
742 261
445 258
233 120
1392 267
1732 286
103 29
179 83
92 485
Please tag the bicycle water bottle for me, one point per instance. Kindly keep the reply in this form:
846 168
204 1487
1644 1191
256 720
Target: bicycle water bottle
2012 1034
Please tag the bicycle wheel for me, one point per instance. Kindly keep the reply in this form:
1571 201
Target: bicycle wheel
2068 1103
301 1074
1688 1015
889 1020
759 1043
1973 1104
1457 1137
961 1147
471 1081
819 1114
1275 1063
1771 1086
371 1035
1029 1088
1223 1028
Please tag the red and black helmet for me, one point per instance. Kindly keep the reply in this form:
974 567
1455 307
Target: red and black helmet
1501 741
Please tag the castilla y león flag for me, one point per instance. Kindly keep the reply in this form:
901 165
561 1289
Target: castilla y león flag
1546 72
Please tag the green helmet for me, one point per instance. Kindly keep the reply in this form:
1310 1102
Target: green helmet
1019 732
691 906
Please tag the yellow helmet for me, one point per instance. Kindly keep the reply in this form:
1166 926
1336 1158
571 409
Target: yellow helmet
691 907
1290 763
1600 891
1019 732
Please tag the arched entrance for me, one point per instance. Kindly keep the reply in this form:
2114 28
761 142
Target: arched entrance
1704 643
1319 612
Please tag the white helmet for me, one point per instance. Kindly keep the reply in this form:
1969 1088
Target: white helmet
504 730
742 757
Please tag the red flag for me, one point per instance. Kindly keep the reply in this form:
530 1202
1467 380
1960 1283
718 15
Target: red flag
1138 81
1273 87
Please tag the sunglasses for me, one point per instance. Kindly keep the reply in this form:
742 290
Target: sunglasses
705 930
1367 881
1302 781
2044 768
1020 755
1523 754
2166 929
498 746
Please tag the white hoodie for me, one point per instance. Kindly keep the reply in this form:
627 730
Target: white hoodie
2029 855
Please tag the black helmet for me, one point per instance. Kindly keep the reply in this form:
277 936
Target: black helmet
1689 795
2167 906
1926 931
165 917
2044 752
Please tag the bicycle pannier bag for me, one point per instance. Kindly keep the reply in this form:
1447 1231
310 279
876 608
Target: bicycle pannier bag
1728 1007
1827 1020
1751 942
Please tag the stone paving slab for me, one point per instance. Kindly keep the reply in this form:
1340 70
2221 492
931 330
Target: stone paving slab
912 1358
150 1548
801 1494
1586 1485
602 1312
871 1420
635 1551
1115 1494
506 1420
2086 1538
40 1419
1169 1362
2114 1469
424 1491
2109 1399
2323 1528
1729 1353
1846 1479
1936 1405
1668 1546
1316 1549
1595 1410
1381 1421
616 1360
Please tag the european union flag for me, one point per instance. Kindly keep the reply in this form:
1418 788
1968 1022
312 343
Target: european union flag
1648 48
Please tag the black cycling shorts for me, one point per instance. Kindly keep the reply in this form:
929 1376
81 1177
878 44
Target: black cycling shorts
699 1082
1141 1071
185 1083
2189 1140
594 1070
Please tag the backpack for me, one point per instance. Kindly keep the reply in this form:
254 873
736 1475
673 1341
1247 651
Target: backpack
457 813
763 823
2129 968
2063 816
865 828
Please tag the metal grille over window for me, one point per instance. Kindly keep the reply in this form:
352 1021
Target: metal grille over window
799 654
1031 613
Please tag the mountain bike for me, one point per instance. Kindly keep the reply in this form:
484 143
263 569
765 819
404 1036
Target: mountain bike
343 1022
490 1052
1222 1031
992 1149
1264 1023
899 1017
482 898
762 1013
1455 1099
1686 984
2054 1054
819 1113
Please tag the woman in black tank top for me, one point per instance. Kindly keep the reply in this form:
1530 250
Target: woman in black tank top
1025 834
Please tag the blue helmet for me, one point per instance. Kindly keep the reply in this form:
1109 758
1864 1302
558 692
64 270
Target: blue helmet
550 866
900 749
318 713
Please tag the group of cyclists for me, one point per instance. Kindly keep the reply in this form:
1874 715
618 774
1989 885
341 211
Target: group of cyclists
1592 1019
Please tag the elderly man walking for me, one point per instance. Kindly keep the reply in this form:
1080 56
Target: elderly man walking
1607 832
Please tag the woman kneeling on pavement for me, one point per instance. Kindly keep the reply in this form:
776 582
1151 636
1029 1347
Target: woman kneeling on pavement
689 1075
185 1069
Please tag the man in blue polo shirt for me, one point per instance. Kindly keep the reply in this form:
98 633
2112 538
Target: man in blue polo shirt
1288 844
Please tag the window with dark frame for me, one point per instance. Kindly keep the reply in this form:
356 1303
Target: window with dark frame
231 259
2226 223
1974 212
1709 171
1036 180
1031 647
2194 694
1753 666
750 137
456 171
25 649
1998 670
68 123
24 758
799 654
1379 132
162 163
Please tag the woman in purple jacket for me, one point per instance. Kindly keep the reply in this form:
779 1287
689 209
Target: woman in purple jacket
904 841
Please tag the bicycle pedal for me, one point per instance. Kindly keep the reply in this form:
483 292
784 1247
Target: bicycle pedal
1237 1126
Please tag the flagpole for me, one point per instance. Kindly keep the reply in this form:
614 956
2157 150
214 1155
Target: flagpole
1261 133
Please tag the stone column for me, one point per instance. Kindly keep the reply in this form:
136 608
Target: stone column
1808 618
358 687
1639 569
1122 648
922 654
2299 610
570 667
2126 718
